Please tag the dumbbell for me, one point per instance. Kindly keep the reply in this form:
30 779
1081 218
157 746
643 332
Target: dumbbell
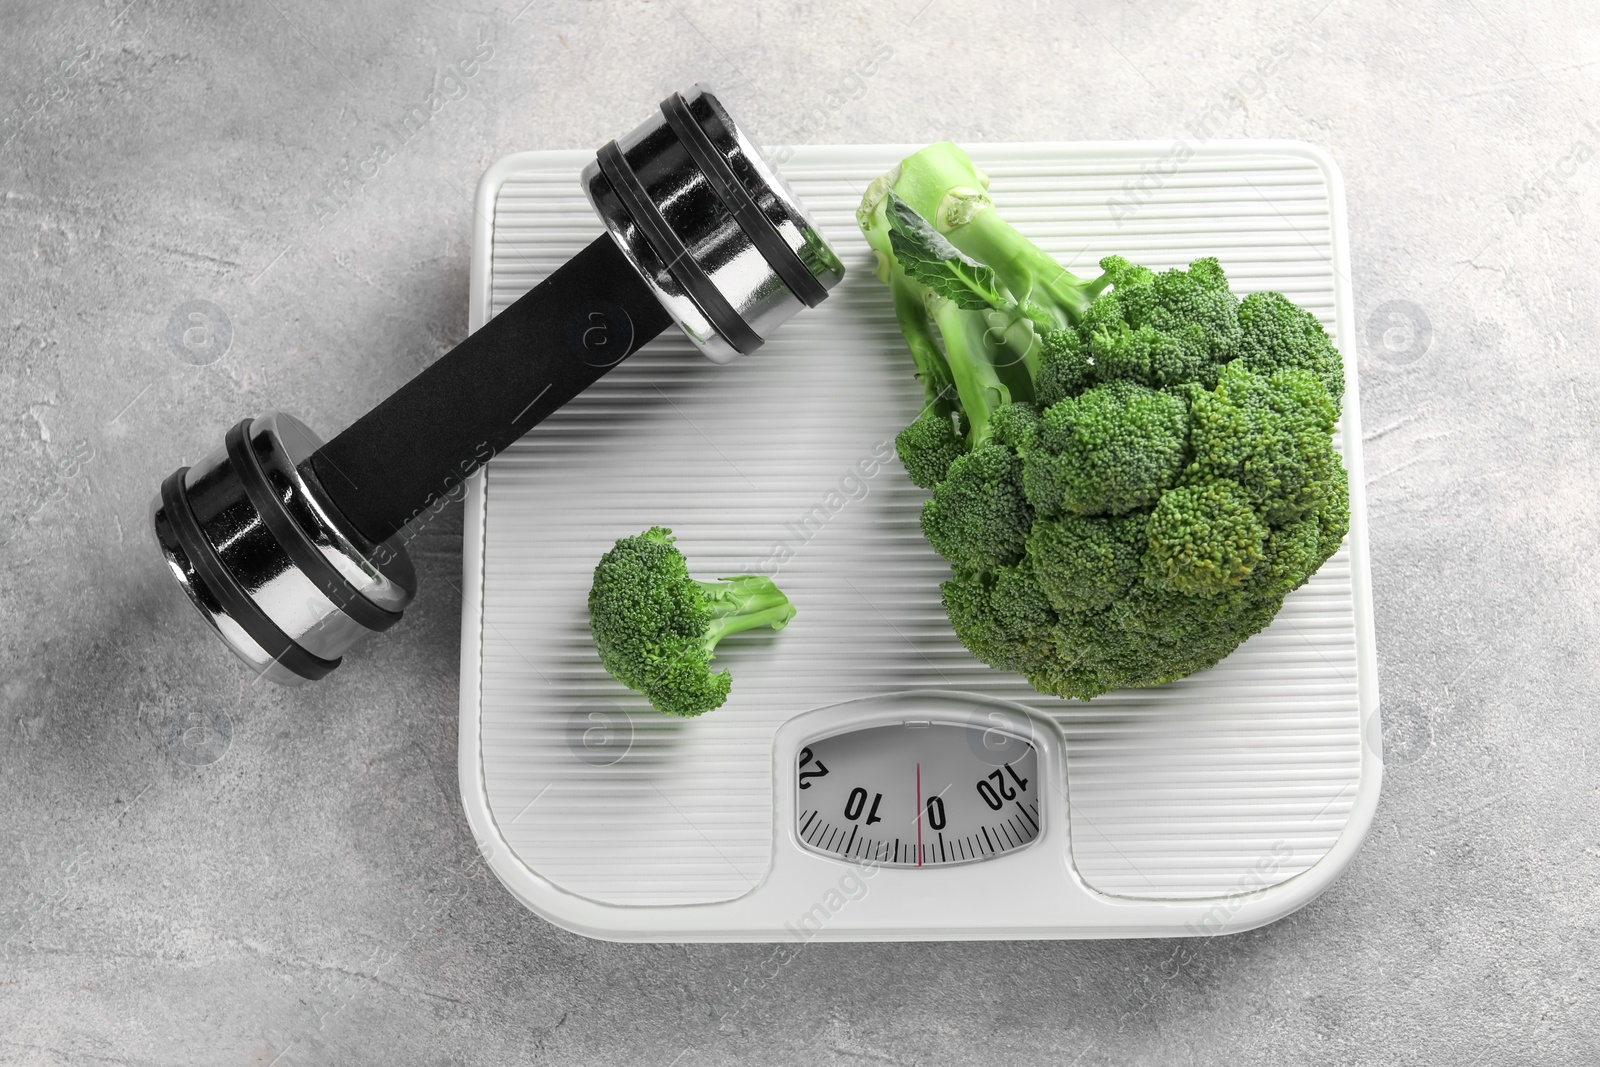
292 548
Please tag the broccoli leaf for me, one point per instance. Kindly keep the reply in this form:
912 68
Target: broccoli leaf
926 257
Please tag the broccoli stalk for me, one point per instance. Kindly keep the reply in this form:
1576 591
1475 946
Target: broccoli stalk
656 628
911 312
969 348
941 185
990 311
742 602
1134 470
1028 271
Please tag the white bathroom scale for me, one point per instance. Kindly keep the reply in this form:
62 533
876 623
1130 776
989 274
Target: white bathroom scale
868 778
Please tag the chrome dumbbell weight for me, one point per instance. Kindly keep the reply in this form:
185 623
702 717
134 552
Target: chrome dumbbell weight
289 546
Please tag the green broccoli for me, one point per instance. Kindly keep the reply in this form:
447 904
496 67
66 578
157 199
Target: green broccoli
1128 474
1106 451
656 627
928 447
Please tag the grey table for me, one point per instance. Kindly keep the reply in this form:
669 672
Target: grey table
195 225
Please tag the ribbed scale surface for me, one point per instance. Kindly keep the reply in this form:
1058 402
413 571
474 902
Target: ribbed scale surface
782 463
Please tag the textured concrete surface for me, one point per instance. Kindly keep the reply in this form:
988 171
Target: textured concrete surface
198 870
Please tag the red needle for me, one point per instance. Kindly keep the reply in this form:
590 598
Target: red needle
919 815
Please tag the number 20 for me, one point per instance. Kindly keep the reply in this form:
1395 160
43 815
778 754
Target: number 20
805 758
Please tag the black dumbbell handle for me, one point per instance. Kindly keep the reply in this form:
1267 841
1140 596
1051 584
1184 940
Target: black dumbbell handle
495 386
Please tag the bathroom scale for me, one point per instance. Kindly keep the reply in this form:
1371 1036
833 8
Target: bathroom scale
868 778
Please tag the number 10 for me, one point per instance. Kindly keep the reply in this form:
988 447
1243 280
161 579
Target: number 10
857 801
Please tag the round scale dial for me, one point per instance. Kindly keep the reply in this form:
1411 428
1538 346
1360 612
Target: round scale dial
918 794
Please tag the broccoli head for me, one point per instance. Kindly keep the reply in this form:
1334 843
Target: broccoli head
656 627
1128 473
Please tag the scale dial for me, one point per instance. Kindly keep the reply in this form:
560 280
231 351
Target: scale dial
918 794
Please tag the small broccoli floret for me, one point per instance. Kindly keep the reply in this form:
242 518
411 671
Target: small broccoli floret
656 627
1085 564
927 448
1289 555
1271 436
1333 513
1197 307
977 517
1147 467
1107 451
1277 334
1145 355
1065 369
1016 426
1003 617
1203 538
1163 329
